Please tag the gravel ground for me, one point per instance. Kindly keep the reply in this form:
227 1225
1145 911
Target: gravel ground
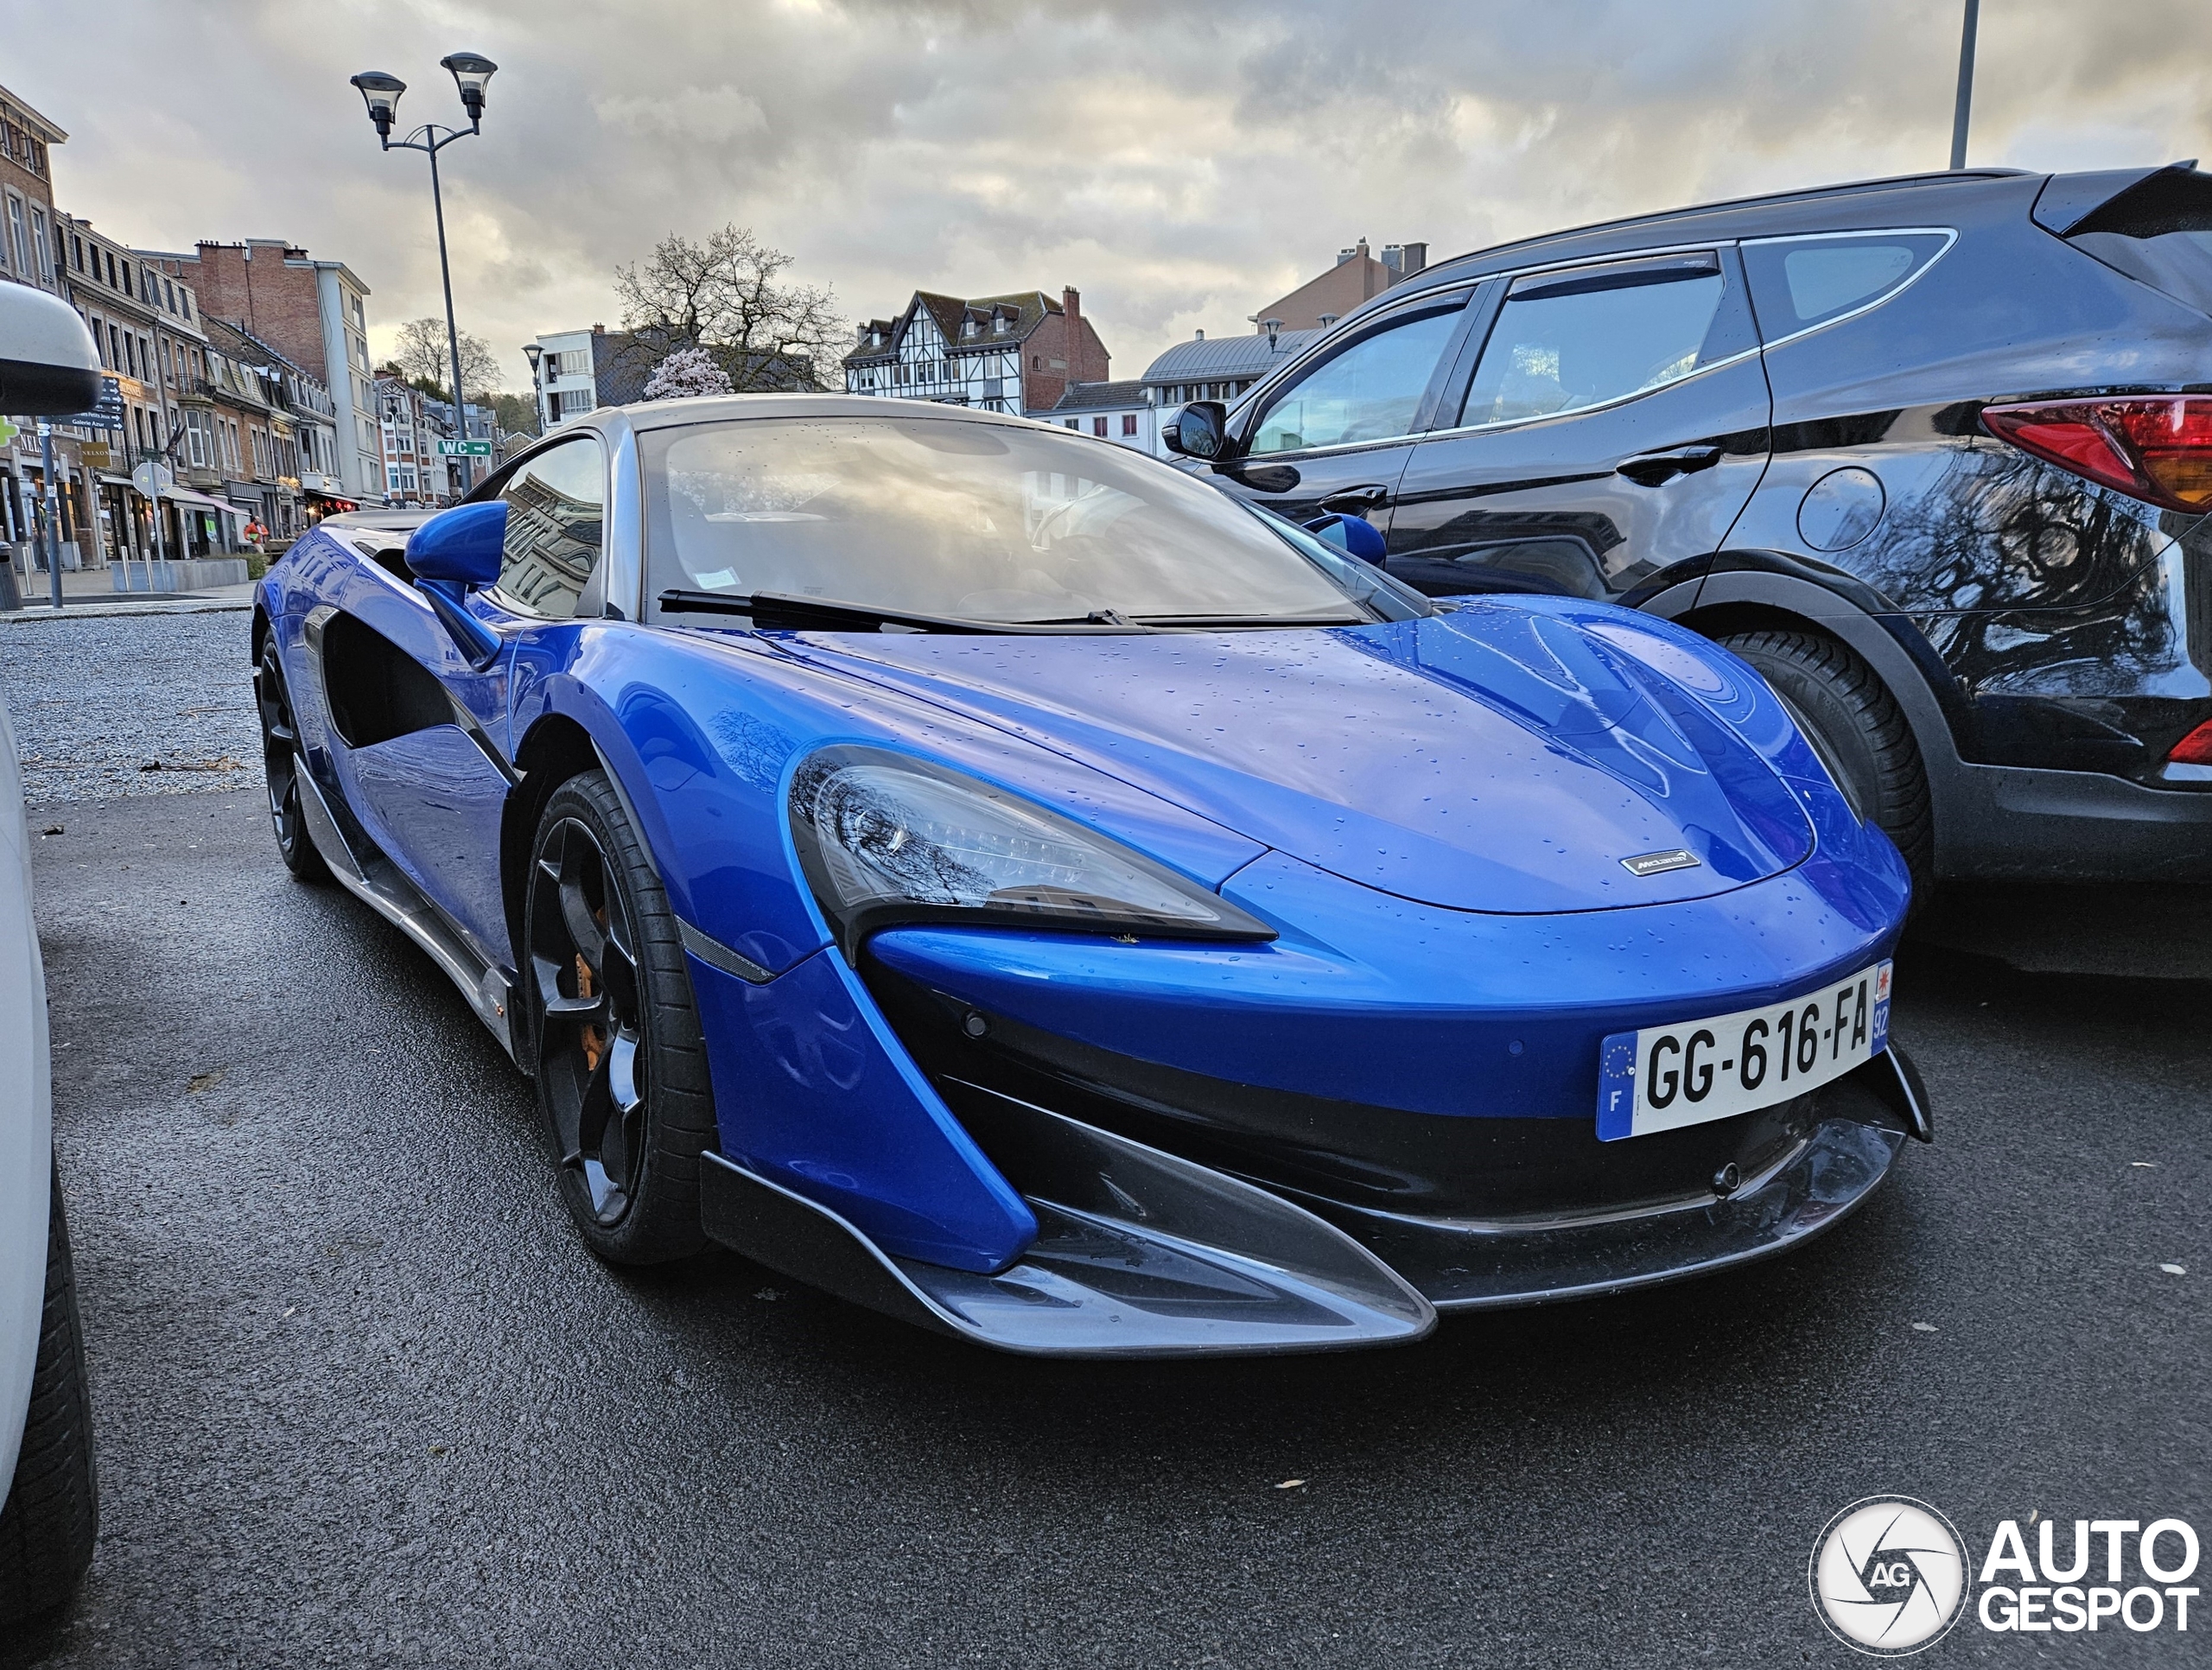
95 700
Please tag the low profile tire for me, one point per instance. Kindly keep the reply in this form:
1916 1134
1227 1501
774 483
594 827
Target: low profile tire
621 1070
1858 729
280 762
52 1513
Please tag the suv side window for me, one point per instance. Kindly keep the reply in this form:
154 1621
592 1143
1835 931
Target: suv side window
1799 283
1565 341
1369 390
555 505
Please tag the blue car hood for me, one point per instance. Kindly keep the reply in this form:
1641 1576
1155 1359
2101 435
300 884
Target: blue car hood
1494 758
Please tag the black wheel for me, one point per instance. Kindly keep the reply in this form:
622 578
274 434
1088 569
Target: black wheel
52 1514
280 760
1856 726
621 1071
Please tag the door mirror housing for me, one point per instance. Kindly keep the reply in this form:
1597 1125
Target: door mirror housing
1355 536
463 546
1198 430
49 366
453 553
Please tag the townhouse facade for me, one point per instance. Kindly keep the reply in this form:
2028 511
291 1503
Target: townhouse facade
314 313
152 340
1016 354
572 371
27 140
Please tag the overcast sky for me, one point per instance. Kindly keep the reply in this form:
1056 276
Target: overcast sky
1181 164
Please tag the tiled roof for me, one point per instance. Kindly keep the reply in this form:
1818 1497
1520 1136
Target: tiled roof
1215 359
1030 308
1100 396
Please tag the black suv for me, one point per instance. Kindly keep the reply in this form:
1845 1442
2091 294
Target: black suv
1932 454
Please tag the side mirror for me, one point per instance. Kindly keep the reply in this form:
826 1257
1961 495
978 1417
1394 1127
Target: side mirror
1355 536
454 552
48 364
1198 430
463 546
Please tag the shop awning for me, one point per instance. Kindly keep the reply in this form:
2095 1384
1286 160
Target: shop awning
186 496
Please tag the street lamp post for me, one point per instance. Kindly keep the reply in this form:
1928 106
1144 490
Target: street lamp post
1964 103
472 74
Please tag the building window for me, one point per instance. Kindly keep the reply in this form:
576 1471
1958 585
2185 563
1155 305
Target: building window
40 252
77 251
1128 423
1071 423
1036 362
1098 427
19 236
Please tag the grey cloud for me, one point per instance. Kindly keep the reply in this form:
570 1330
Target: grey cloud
1181 164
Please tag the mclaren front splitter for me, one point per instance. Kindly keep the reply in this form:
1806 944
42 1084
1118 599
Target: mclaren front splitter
1145 1254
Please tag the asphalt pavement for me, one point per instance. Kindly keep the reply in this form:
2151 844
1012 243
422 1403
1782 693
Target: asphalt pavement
362 1398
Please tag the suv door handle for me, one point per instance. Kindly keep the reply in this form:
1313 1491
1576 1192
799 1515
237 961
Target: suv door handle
1649 469
1357 501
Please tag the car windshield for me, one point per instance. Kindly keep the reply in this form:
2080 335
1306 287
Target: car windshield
980 521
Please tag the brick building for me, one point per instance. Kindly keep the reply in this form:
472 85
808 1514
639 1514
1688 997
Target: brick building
312 312
1003 353
1356 277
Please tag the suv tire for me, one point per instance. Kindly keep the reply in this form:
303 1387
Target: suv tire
52 1515
1859 731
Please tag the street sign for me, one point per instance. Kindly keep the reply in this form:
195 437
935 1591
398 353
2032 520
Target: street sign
106 414
464 448
152 480
7 432
95 455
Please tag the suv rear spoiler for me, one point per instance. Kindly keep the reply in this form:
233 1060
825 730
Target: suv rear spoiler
2071 203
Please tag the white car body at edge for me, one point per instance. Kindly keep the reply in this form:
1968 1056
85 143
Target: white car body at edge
26 1114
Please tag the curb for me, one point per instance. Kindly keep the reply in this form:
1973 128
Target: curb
110 611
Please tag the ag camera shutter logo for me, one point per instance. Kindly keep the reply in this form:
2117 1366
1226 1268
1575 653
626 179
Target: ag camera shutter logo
1888 1576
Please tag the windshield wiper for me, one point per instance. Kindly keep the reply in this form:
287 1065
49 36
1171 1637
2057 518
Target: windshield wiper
1235 621
781 611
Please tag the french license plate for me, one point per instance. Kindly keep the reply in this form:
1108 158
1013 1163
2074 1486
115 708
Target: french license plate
1665 1078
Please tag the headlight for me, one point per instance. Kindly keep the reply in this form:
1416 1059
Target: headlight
885 838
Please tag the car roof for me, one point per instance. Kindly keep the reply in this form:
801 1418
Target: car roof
1900 199
721 407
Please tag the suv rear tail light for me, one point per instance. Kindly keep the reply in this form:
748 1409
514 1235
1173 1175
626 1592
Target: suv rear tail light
2150 447
2195 749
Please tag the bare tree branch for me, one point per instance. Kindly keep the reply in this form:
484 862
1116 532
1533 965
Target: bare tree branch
723 296
422 353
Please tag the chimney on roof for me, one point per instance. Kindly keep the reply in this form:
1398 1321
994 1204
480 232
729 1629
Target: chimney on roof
1404 260
599 330
1199 337
1071 310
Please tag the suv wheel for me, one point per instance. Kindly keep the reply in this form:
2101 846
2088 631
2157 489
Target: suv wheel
1860 734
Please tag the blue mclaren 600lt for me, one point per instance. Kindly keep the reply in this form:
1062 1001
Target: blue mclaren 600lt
979 871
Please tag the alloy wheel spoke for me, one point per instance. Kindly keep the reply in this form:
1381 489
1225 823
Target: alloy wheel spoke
592 1110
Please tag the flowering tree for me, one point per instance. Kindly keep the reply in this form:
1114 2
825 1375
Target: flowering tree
687 371
725 296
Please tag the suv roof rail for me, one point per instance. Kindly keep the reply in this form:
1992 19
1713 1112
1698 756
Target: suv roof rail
1842 188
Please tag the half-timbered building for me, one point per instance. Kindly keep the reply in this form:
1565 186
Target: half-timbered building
1003 353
